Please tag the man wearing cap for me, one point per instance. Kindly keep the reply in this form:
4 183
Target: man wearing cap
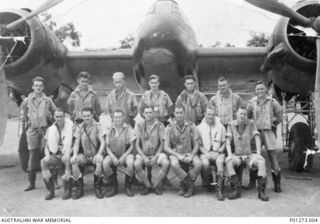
212 148
90 136
158 99
122 99
83 96
149 145
182 144
38 111
192 100
120 141
57 154
266 113
240 132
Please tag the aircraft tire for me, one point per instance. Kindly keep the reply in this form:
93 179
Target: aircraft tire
300 139
23 152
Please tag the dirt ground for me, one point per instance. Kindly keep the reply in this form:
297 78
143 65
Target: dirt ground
300 197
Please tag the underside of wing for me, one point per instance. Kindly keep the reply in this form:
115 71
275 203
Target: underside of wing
240 65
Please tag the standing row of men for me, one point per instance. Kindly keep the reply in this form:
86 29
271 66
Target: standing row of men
225 126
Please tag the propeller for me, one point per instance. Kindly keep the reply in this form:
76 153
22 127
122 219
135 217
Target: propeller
3 87
279 8
44 7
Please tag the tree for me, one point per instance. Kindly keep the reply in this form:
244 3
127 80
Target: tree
127 42
257 40
64 32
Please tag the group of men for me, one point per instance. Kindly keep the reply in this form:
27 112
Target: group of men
192 137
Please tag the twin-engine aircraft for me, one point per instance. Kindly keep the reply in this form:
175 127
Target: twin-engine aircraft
166 45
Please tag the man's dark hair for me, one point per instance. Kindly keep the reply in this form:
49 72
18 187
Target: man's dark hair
118 111
84 74
211 108
154 76
223 79
87 109
38 79
242 108
260 82
189 77
148 106
179 106
59 109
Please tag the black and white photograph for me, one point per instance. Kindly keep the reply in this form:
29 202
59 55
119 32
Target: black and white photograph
206 109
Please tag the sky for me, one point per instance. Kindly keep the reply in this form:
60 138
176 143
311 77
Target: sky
102 23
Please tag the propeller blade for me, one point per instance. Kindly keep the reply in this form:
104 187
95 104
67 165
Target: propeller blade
44 7
3 102
317 89
279 8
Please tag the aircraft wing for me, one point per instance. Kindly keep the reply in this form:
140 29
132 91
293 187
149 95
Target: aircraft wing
240 65
101 65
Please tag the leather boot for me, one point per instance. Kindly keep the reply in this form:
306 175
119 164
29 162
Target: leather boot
79 189
253 178
183 188
220 187
277 181
50 187
166 182
235 184
67 187
32 180
114 185
136 182
97 182
261 189
190 186
127 185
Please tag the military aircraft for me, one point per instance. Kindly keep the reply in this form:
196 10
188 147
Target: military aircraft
166 45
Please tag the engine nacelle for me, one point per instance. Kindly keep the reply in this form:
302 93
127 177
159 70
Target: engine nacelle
39 54
291 59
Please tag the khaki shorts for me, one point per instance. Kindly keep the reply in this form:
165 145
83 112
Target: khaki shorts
246 159
268 139
162 157
35 138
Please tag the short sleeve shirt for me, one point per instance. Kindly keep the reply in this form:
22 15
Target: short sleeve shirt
118 141
150 136
160 101
90 137
181 139
242 141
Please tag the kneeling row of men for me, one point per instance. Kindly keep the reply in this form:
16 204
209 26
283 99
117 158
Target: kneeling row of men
183 146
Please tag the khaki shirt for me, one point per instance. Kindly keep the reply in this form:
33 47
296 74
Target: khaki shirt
150 137
126 101
195 105
181 140
78 101
264 114
242 141
227 106
38 111
211 137
119 141
160 101
90 137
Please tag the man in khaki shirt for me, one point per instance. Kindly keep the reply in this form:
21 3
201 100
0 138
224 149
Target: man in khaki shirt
87 144
192 100
158 99
240 132
267 114
149 145
38 111
83 96
120 141
182 145
123 99
226 102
